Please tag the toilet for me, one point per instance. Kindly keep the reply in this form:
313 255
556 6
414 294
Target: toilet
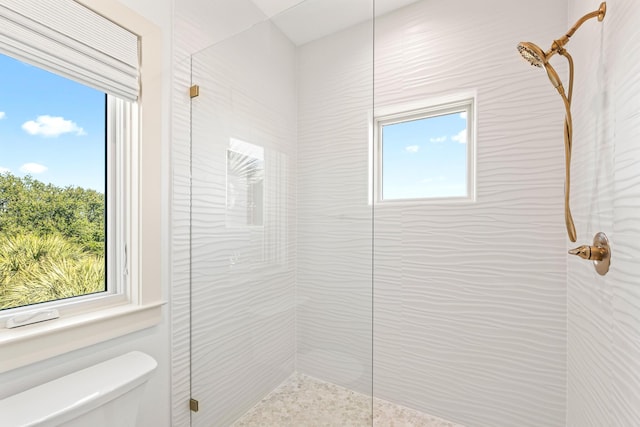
104 395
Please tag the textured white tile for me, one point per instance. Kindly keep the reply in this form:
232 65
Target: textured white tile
604 312
468 325
469 321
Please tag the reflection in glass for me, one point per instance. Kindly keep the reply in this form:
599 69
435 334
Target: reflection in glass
245 185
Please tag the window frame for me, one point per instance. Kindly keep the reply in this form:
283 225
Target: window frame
102 317
418 111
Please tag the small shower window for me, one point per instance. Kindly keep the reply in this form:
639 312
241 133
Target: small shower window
426 153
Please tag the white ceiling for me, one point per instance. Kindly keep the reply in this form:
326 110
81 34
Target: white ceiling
274 7
306 20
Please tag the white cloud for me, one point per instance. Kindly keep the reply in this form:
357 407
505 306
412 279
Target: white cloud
49 126
34 168
2 115
460 137
412 148
438 139
4 170
463 115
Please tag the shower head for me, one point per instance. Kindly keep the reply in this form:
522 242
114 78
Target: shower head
532 53
536 57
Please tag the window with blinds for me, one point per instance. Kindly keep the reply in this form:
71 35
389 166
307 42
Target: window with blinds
68 39
68 91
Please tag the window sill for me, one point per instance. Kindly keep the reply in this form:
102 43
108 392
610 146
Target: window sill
33 343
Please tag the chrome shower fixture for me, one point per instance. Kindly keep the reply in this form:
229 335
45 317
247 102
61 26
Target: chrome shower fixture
539 58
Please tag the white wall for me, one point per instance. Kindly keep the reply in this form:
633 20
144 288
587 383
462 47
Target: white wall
155 407
470 300
604 312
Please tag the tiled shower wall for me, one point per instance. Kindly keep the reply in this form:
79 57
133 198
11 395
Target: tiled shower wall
470 299
604 312
469 321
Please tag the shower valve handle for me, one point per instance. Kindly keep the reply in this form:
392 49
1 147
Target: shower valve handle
592 253
599 253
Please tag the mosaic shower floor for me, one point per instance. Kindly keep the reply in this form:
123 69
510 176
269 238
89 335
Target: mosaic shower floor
302 401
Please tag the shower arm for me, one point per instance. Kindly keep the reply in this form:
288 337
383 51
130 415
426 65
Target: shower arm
558 44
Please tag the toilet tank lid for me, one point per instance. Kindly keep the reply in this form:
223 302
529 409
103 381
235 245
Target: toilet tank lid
79 391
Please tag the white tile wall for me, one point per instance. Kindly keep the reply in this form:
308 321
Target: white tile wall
604 312
470 299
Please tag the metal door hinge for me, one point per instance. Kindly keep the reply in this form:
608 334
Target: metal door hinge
193 405
194 91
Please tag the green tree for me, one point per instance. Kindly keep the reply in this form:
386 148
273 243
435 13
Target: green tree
28 205
52 241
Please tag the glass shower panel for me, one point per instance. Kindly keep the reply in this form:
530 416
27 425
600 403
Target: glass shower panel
281 223
243 223
334 237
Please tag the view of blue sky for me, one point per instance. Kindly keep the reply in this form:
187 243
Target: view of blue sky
51 128
425 158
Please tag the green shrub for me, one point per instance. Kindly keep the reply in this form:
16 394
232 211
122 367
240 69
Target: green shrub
36 268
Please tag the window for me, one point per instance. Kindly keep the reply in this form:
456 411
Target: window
53 166
64 167
76 42
426 153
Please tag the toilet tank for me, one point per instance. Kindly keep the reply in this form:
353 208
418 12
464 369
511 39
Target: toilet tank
104 395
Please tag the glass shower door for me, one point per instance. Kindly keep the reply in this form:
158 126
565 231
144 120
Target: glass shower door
281 227
243 225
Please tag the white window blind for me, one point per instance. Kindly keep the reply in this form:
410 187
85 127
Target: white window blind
66 38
